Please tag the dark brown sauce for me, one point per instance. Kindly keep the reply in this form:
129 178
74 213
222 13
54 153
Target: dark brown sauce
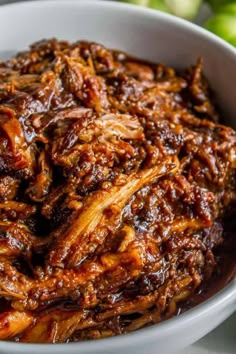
225 271
4 305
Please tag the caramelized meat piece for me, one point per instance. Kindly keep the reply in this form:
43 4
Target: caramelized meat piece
15 239
8 188
101 212
15 154
115 180
13 323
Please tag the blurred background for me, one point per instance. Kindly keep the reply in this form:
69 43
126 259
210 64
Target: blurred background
218 16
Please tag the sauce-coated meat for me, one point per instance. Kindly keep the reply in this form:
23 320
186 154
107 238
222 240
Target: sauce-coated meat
115 179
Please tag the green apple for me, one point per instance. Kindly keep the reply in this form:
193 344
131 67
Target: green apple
224 25
218 4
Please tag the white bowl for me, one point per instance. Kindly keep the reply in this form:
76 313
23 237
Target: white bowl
153 36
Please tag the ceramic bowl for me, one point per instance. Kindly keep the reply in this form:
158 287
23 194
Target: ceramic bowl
153 36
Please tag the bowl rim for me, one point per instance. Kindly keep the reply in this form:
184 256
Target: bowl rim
224 297
188 25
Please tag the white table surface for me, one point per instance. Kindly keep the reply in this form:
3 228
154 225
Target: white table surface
220 341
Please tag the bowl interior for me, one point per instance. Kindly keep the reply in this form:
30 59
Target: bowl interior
146 34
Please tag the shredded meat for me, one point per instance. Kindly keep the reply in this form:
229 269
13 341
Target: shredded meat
115 178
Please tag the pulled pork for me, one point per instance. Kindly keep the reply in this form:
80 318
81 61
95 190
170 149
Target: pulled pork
115 176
